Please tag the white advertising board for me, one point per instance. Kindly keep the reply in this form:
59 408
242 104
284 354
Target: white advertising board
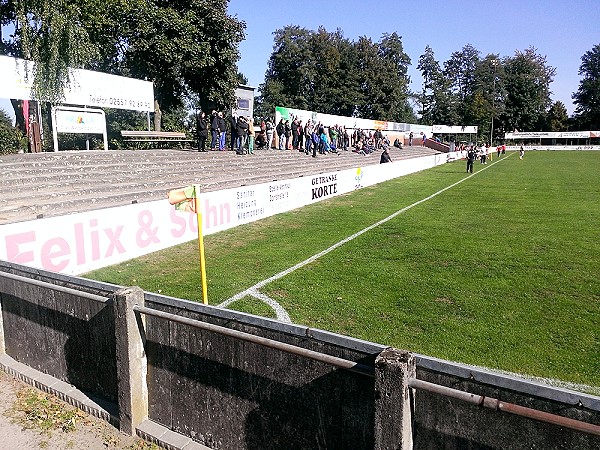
86 87
81 242
81 121
445 129
550 135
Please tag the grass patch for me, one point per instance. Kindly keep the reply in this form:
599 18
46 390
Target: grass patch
500 271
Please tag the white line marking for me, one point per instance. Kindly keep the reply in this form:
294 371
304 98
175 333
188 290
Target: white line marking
253 291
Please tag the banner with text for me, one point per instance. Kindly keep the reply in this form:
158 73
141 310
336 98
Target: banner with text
81 242
86 87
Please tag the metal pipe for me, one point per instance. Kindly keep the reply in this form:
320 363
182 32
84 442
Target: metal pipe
55 287
511 408
288 348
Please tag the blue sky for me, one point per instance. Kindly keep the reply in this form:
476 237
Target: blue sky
561 30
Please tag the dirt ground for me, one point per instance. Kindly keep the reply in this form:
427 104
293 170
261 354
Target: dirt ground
20 432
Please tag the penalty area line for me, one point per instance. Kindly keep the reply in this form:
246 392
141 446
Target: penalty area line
253 291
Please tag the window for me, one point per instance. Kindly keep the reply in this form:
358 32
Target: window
243 103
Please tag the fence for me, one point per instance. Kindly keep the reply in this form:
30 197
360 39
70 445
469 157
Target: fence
185 374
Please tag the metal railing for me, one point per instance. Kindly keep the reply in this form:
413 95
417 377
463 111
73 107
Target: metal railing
479 400
55 287
511 408
265 342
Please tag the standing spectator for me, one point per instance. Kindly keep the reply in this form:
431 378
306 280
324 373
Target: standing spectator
233 127
295 133
521 152
241 130
269 127
424 139
288 133
280 132
333 134
308 131
251 136
300 144
222 131
214 129
410 138
202 130
346 138
470 159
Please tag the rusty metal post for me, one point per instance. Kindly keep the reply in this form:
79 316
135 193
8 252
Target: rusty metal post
393 400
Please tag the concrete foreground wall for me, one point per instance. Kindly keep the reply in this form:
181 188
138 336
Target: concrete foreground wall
226 393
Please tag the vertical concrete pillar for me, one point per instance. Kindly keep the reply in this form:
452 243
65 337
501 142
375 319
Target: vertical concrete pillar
393 411
2 343
131 359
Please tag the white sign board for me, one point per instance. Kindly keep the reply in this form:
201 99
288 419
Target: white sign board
550 135
454 129
66 119
80 121
86 88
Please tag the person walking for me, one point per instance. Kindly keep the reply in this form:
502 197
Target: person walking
521 152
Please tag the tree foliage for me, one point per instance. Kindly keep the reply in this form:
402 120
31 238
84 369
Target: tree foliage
324 71
587 97
184 47
527 81
512 92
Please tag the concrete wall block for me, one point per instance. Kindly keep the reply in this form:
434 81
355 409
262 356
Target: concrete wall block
131 359
393 408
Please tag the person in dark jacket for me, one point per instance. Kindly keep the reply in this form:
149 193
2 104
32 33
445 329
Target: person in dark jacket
222 132
385 156
241 130
471 154
202 130
233 126
214 130
280 131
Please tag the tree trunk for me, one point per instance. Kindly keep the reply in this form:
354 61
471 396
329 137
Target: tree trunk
20 119
157 116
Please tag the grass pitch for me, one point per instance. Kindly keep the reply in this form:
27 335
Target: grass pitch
501 270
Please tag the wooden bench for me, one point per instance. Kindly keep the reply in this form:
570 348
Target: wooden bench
150 137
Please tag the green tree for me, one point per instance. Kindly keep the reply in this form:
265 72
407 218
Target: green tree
527 83
587 97
557 118
323 71
187 48
384 79
438 103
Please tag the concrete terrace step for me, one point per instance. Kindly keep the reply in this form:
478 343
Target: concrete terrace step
52 184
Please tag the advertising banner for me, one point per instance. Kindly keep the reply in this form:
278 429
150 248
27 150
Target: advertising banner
78 243
69 121
86 87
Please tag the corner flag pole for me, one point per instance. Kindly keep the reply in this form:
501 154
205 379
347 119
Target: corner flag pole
201 244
